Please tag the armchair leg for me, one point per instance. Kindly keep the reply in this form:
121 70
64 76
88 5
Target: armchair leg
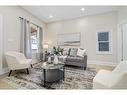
27 71
9 73
31 66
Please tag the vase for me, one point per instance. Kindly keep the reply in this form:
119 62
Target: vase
49 59
55 59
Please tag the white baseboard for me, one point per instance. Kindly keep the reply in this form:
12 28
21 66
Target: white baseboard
4 70
101 63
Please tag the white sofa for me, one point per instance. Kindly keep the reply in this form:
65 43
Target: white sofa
16 61
116 79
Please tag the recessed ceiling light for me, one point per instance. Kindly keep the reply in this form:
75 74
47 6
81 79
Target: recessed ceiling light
82 9
50 16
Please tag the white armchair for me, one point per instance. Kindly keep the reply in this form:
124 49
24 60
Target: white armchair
16 61
116 79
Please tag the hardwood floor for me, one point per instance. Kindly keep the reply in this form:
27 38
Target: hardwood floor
98 67
4 85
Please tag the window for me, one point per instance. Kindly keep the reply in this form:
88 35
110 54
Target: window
104 42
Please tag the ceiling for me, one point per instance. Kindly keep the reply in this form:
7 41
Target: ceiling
66 12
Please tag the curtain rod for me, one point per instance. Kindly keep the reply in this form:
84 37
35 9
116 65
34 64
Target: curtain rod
30 22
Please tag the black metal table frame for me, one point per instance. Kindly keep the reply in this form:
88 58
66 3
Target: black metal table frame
44 75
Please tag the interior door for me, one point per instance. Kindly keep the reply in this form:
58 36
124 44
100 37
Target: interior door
124 40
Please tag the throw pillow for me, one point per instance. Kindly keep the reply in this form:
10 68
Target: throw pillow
65 52
81 52
73 51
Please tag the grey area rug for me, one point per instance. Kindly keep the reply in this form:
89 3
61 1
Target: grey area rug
75 78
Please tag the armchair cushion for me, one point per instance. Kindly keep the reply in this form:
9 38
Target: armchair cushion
106 79
26 61
16 60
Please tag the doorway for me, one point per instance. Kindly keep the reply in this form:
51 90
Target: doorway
122 41
34 42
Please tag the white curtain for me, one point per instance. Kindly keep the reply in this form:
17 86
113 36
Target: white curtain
25 44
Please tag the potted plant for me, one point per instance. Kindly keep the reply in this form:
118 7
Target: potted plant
57 51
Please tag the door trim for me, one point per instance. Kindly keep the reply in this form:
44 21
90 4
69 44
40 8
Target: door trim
120 41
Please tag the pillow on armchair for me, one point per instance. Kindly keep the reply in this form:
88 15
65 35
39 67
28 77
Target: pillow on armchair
81 52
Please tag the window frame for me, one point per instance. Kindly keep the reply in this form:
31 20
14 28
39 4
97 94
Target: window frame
110 42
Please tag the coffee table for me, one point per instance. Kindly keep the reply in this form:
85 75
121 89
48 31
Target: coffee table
53 72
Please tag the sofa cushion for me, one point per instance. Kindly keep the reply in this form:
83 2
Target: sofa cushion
81 52
73 52
75 59
65 52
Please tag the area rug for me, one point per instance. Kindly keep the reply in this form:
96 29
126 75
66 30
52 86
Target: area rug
75 78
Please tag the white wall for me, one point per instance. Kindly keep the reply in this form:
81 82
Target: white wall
88 26
11 26
122 14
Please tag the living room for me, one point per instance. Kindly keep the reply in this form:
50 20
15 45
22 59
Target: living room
90 38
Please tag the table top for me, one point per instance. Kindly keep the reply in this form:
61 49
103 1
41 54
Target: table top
46 65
